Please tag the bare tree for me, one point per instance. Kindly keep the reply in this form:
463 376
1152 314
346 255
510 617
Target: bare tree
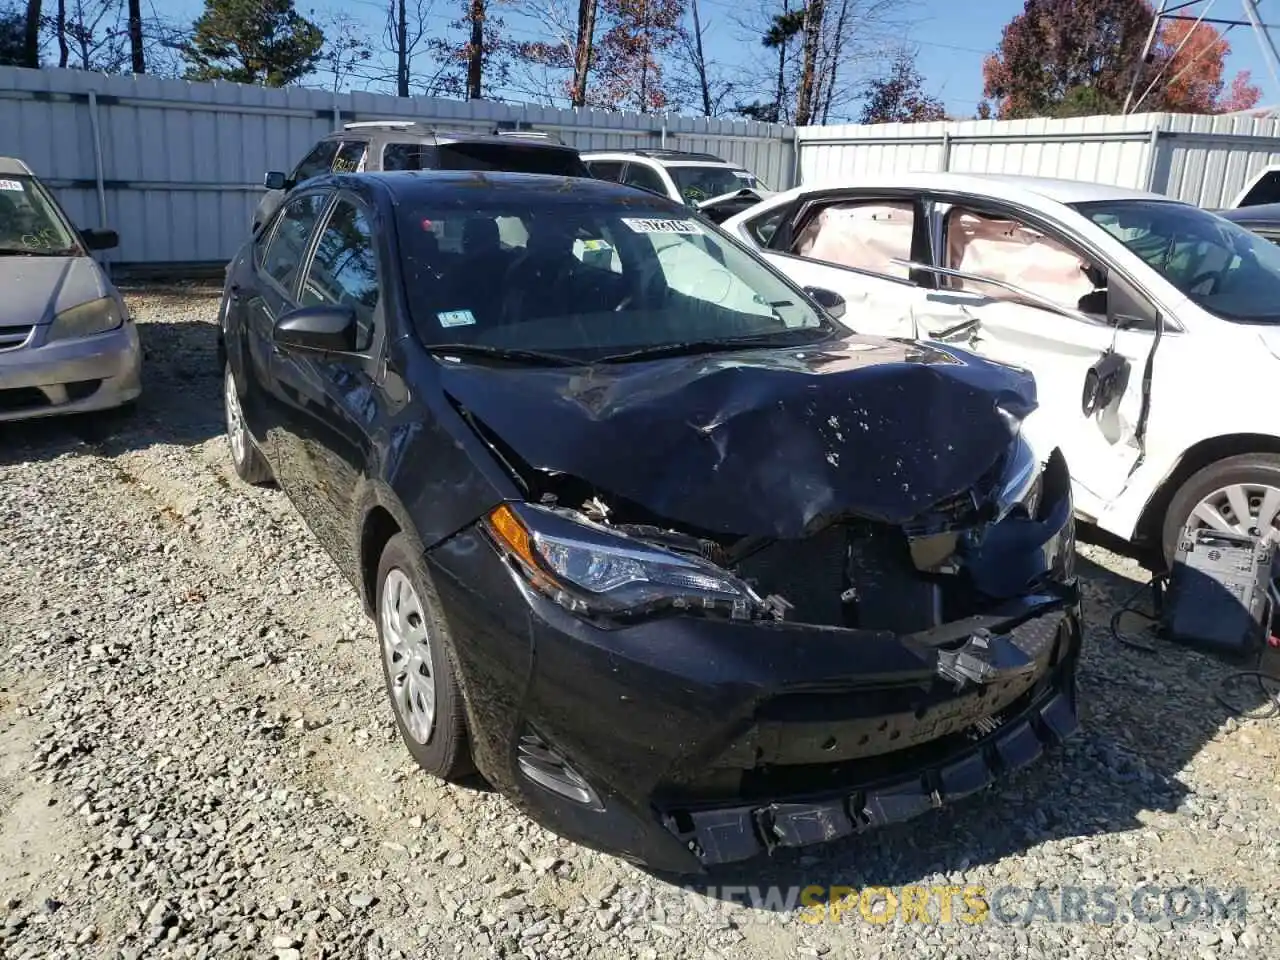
583 43
137 53
345 50
700 82
31 41
825 49
60 31
406 28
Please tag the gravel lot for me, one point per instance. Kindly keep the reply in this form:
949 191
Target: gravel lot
196 758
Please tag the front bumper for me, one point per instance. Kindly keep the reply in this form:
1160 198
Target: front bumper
707 742
71 376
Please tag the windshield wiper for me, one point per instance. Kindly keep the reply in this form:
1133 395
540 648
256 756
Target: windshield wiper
777 338
30 252
540 357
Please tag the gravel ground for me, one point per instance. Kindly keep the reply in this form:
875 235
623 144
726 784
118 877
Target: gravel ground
196 758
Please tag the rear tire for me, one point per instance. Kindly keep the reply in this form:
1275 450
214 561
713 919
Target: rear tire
249 463
1240 493
418 664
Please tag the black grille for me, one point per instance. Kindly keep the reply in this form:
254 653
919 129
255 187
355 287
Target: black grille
858 574
809 574
80 389
11 336
22 398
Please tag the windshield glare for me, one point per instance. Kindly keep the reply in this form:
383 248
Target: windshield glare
1222 267
697 184
29 223
588 279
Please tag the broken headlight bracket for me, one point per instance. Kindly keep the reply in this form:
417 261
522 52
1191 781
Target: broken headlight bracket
983 658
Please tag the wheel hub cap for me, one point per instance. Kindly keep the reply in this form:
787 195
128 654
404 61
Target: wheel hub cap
235 419
406 649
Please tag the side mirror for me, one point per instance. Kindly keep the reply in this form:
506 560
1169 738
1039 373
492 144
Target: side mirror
275 180
327 329
100 239
829 300
1127 308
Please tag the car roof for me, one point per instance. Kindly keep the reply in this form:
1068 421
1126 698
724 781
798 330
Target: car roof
14 167
412 130
666 156
476 187
1257 213
1001 184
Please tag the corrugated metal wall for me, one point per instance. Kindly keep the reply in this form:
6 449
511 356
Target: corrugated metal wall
180 164
1204 160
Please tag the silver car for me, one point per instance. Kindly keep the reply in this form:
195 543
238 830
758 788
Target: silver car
67 343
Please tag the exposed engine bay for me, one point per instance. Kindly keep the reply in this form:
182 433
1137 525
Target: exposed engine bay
856 573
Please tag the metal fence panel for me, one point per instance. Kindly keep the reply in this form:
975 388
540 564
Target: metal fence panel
1205 160
176 167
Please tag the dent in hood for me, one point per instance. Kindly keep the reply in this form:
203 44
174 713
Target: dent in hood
764 442
37 289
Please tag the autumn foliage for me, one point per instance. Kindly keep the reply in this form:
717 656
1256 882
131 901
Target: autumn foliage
1076 57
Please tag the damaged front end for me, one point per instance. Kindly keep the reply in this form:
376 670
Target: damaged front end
980 592
698 694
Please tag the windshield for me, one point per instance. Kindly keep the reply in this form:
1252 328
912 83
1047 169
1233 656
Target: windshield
1219 265
29 221
702 183
588 278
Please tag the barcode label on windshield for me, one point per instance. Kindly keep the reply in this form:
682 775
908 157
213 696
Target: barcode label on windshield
13 185
662 226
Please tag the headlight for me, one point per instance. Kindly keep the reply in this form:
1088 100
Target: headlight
591 570
87 319
1020 482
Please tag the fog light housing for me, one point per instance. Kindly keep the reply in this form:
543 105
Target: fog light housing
547 768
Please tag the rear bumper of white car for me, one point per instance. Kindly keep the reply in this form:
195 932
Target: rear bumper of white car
71 376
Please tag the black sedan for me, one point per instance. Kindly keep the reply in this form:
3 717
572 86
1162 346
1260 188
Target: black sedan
1263 219
681 564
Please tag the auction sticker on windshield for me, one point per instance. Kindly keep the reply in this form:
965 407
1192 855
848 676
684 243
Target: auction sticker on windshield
662 226
456 318
12 185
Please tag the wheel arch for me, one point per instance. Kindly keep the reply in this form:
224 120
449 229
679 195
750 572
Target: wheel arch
1147 533
382 516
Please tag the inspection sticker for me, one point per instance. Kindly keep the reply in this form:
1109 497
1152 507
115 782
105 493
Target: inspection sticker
456 318
12 185
662 226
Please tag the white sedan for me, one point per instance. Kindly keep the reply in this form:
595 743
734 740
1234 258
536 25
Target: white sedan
1152 326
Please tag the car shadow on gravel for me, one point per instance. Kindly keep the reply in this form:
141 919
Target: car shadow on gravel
1145 715
181 403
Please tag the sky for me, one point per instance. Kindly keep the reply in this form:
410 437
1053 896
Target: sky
951 36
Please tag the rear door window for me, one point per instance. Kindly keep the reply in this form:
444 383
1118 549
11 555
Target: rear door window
316 163
350 158
606 169
408 156
864 234
639 175
288 245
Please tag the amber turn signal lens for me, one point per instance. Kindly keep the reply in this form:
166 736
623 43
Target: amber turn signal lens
513 533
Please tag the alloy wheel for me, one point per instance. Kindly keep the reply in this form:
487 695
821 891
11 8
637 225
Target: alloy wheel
1251 509
406 648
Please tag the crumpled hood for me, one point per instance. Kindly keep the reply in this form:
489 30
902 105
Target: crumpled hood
761 442
36 289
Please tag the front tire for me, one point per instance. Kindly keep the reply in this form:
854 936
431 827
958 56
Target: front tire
249 463
418 665
1240 494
